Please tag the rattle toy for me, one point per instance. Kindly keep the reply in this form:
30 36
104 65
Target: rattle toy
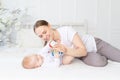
51 44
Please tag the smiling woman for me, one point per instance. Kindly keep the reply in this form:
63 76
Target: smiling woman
44 32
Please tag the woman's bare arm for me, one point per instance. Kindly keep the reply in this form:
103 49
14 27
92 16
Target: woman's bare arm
79 49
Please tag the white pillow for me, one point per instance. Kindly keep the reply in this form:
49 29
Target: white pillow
26 38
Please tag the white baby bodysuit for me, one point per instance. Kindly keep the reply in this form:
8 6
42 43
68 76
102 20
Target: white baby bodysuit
48 59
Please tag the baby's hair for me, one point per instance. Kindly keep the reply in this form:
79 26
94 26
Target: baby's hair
27 61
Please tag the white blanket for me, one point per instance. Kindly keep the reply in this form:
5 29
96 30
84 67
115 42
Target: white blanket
11 69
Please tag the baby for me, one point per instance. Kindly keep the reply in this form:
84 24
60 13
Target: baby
32 61
46 58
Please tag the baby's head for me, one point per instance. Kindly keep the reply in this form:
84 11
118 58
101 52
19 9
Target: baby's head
32 61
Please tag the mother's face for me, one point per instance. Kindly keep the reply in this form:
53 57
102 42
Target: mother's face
44 32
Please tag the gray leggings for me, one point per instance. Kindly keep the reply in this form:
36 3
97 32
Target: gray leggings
104 52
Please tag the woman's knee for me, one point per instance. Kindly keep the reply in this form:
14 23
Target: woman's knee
96 60
100 63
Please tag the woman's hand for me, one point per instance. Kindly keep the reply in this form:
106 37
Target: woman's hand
60 47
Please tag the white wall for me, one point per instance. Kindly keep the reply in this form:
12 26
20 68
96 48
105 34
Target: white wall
115 23
103 19
108 17
103 16
57 11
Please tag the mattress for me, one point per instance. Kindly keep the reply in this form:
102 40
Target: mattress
11 69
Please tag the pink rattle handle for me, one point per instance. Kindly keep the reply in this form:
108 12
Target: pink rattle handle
52 43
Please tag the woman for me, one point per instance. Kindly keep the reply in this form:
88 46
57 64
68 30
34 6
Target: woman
90 50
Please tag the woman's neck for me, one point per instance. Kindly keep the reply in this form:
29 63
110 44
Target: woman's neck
56 35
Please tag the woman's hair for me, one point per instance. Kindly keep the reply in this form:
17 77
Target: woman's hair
41 23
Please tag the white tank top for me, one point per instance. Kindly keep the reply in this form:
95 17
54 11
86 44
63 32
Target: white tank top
67 33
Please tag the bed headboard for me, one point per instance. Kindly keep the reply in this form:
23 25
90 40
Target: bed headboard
81 27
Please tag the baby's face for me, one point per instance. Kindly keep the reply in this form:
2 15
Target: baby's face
36 61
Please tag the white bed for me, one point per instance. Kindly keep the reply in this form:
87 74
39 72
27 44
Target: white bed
11 69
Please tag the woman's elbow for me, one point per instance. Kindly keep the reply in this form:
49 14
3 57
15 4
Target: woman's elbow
83 53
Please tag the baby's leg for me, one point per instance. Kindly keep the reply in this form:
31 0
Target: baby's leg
94 59
107 50
67 59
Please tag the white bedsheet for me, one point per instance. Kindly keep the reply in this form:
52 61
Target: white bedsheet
11 69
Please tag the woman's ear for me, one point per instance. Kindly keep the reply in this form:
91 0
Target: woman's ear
49 25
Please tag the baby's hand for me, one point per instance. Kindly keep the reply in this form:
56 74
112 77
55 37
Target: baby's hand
56 55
